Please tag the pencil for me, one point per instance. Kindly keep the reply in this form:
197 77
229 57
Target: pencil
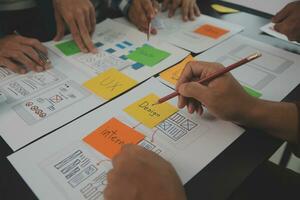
214 75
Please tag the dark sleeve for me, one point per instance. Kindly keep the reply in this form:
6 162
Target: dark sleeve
296 148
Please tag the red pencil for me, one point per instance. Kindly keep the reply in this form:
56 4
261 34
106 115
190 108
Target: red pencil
215 75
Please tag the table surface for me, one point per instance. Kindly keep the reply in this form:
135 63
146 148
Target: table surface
228 170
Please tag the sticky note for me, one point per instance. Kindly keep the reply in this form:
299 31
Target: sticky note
109 138
223 9
148 55
110 83
211 31
68 48
148 114
172 75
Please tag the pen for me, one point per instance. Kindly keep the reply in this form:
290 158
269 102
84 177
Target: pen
214 75
42 56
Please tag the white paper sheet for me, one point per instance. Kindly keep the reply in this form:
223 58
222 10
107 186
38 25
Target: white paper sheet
269 29
181 34
190 151
38 103
110 34
274 75
270 7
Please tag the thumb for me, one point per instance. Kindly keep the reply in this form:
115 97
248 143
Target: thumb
194 90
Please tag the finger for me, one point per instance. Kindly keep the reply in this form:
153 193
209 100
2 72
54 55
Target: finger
191 106
148 9
60 27
191 70
153 31
173 8
165 5
26 62
281 15
185 11
76 35
87 21
156 7
12 66
200 109
196 10
32 54
35 44
92 19
191 12
85 35
194 90
182 102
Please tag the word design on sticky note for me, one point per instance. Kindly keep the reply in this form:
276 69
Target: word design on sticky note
148 55
211 31
110 83
172 75
109 138
148 114
68 48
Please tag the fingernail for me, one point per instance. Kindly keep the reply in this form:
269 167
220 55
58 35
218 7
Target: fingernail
23 71
94 50
47 66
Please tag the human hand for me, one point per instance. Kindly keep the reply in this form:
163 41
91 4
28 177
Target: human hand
80 17
141 12
139 174
287 21
19 54
189 8
224 97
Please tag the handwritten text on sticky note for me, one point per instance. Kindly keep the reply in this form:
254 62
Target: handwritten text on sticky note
172 75
148 114
109 138
148 55
110 84
211 31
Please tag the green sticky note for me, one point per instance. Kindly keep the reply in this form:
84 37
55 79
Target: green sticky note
148 55
68 48
252 92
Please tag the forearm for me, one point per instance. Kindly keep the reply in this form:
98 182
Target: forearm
277 119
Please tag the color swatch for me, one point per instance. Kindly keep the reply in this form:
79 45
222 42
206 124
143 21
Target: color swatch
148 114
110 83
148 55
68 48
172 75
109 138
211 31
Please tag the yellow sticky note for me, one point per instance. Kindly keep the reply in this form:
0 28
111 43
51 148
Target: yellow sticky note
172 75
148 114
223 9
110 84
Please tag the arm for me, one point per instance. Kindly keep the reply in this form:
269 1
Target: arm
225 98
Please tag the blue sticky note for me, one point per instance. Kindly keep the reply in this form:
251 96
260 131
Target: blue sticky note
137 66
123 57
127 43
110 50
98 44
120 46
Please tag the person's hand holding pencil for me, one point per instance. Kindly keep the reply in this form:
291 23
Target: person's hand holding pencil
223 96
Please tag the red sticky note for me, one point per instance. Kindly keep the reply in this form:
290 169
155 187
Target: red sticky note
109 138
211 31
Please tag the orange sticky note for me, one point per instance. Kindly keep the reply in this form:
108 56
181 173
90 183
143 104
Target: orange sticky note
172 75
111 136
211 31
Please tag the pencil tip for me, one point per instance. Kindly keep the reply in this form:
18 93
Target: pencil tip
156 103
